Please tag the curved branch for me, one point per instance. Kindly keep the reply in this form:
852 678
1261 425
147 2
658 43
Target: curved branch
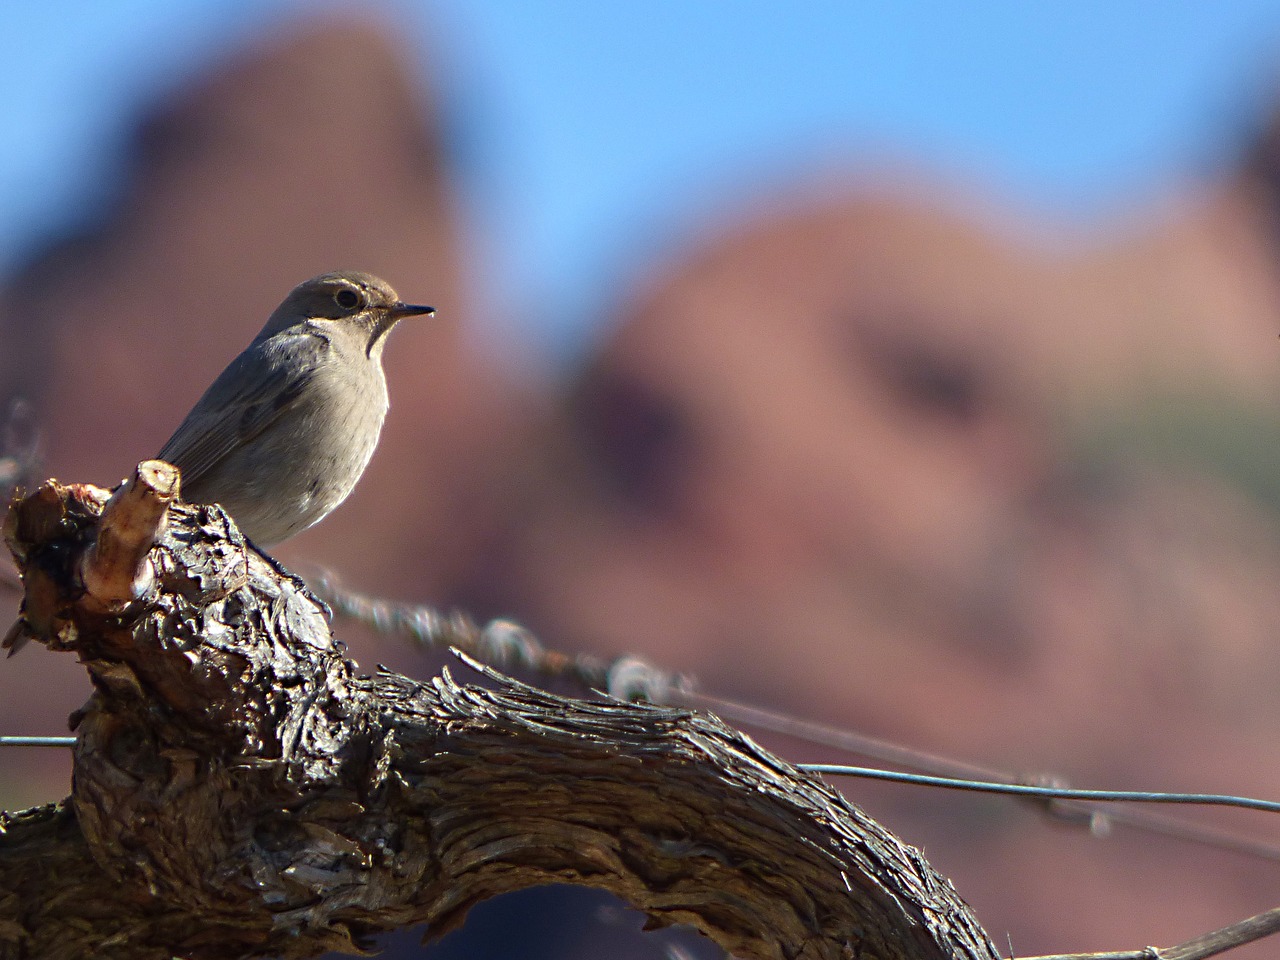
240 791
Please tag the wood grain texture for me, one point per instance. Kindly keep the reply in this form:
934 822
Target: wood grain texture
240 791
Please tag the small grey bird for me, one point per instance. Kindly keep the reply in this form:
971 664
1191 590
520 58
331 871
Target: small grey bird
284 433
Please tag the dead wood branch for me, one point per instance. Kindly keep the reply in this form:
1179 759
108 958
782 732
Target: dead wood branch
240 791
1199 948
116 569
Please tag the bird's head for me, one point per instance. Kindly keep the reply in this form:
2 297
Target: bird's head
357 301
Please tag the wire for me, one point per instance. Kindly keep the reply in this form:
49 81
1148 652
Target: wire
1081 812
509 646
827 736
1051 793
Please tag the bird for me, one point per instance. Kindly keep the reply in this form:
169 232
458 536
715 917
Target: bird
283 434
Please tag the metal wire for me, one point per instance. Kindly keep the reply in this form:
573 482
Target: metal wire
1051 793
509 646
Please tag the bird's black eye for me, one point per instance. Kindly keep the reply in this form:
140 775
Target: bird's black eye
347 299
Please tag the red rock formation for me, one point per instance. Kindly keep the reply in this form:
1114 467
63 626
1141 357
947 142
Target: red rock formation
868 458
316 149
874 461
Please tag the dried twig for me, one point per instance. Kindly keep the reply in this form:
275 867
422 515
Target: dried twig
1199 948
115 569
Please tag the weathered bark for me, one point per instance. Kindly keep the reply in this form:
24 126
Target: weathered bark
240 791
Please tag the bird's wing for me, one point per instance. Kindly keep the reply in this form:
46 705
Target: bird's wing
255 389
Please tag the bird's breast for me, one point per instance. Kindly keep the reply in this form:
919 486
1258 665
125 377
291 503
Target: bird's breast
336 434
310 461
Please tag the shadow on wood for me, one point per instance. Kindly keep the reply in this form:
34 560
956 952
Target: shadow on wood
240 791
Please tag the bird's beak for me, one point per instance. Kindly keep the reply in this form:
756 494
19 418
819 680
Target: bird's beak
399 310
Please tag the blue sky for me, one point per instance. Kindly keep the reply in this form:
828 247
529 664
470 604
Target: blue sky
592 127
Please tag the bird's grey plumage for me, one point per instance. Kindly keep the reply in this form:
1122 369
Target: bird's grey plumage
286 430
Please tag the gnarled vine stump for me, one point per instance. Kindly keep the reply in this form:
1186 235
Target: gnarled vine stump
240 791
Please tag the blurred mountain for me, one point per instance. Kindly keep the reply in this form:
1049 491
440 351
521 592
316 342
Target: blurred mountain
315 149
878 454
887 458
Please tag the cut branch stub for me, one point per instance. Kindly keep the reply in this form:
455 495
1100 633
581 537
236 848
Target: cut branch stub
240 791
116 569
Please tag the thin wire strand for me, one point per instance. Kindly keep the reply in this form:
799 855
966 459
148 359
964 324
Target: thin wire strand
1049 793
1081 813
507 645
824 735
897 776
